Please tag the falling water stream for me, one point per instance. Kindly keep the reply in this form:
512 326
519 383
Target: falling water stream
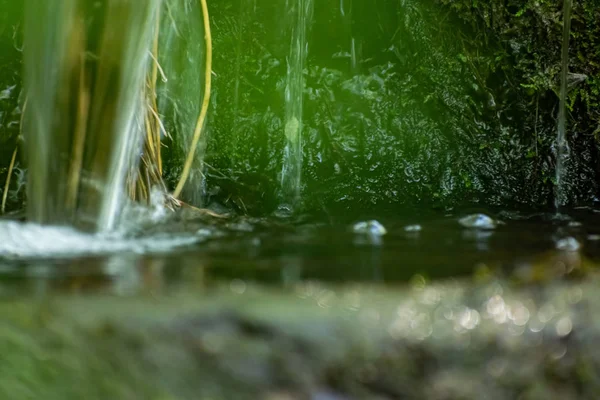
85 113
562 145
291 175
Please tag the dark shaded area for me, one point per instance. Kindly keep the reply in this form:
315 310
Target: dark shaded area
10 91
445 103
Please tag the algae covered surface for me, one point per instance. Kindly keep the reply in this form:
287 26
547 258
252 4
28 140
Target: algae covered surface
436 341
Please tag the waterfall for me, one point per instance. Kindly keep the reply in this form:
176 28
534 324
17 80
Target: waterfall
85 73
51 30
562 144
291 174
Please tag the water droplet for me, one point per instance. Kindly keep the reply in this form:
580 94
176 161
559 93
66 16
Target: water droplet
546 313
326 299
535 325
469 319
575 295
559 352
519 314
497 367
237 286
478 221
496 308
564 326
421 326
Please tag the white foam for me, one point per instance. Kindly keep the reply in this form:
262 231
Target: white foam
28 240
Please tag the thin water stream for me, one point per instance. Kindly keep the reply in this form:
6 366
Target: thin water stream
85 111
562 144
291 174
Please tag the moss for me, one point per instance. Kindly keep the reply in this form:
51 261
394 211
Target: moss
522 71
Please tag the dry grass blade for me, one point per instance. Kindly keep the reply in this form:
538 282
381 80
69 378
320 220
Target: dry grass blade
149 172
13 160
7 185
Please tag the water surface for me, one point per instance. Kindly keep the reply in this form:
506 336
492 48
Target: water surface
529 247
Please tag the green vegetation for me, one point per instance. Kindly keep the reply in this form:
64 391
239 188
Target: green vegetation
10 90
522 72
432 103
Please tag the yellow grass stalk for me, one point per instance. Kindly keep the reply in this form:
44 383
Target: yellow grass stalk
205 102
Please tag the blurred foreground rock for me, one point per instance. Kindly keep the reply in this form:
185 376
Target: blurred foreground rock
443 341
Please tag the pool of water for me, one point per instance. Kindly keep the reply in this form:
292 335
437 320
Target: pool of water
196 252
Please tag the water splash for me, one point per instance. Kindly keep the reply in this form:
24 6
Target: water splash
291 174
85 108
562 145
32 241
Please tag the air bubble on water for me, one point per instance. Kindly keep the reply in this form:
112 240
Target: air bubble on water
478 221
413 228
372 227
568 244
237 286
564 326
519 314
468 319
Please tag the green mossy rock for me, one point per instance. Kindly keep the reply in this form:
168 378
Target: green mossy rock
432 103
449 102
